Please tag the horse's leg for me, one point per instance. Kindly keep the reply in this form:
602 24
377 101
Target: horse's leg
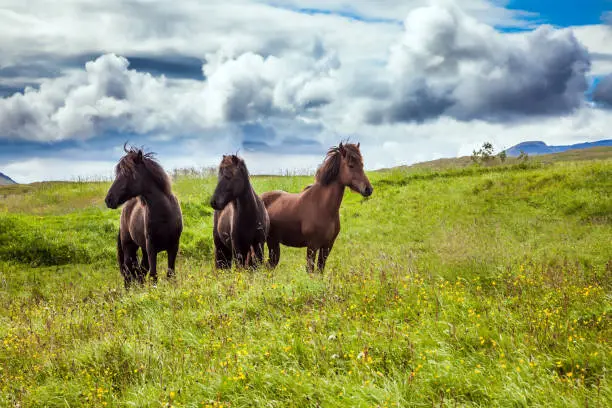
121 262
152 253
171 261
119 252
323 254
140 274
241 254
144 264
223 254
130 262
258 251
311 253
273 253
249 261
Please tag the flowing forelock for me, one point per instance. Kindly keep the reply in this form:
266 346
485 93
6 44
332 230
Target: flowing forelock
233 162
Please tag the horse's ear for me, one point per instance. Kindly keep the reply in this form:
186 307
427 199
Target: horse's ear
235 160
139 157
342 149
358 144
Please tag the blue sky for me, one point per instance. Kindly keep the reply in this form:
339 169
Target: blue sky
565 12
282 81
561 13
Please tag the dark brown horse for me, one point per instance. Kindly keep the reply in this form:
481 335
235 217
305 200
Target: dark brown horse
241 221
150 220
311 218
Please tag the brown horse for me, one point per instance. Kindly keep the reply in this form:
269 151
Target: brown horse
311 218
241 221
151 219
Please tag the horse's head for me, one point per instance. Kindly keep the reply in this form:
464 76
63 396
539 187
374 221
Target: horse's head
134 173
351 173
232 181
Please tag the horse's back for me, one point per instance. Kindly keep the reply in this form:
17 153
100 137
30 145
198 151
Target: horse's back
271 196
284 217
280 201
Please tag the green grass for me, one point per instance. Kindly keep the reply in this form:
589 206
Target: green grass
448 287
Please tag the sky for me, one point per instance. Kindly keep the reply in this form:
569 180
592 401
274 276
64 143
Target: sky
280 82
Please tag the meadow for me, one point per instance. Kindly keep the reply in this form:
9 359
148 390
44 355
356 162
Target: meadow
463 286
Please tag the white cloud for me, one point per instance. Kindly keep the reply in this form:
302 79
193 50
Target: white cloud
82 103
189 27
297 76
253 87
108 95
597 39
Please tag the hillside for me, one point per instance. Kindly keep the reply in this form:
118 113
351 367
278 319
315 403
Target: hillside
6 180
537 147
592 153
474 286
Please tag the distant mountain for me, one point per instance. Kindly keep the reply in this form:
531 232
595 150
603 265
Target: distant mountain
536 147
6 180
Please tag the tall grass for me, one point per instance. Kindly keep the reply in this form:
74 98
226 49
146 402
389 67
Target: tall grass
460 287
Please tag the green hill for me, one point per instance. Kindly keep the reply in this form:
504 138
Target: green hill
466 286
592 153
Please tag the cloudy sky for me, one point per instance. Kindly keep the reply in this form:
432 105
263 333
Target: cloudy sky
281 81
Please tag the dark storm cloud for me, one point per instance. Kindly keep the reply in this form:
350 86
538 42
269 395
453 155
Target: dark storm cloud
549 79
599 56
414 102
603 91
31 69
449 64
8 89
273 137
171 66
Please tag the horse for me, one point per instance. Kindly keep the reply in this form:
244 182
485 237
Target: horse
311 218
240 223
151 218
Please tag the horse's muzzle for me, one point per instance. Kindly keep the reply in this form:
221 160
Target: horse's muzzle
367 191
110 203
215 205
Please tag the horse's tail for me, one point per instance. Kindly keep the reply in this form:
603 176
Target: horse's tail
119 251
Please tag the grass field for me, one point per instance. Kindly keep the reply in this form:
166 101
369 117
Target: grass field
457 287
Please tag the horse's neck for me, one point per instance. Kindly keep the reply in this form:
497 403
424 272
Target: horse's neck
329 196
245 202
157 201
